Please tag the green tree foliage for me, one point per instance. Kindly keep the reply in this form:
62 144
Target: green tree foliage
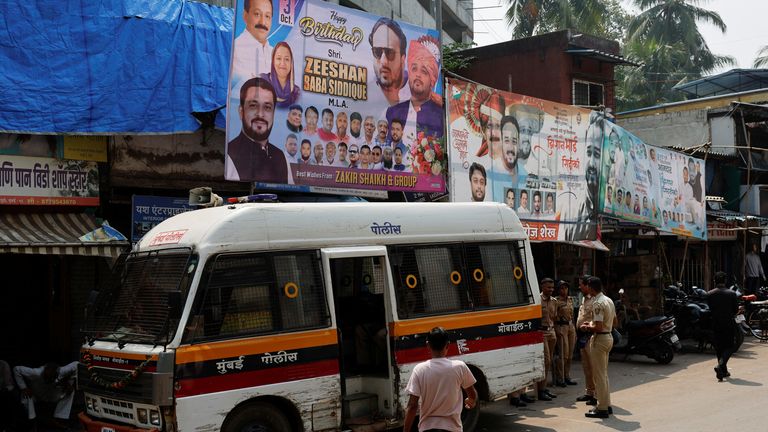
532 17
762 58
454 57
664 37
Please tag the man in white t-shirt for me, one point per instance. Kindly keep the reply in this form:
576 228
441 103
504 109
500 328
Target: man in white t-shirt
435 389
253 54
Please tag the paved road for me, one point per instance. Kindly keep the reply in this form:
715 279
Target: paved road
681 396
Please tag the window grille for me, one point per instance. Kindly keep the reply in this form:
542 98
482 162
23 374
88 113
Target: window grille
250 294
458 277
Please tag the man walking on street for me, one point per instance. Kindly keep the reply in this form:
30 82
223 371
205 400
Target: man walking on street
600 344
548 314
723 305
435 389
585 316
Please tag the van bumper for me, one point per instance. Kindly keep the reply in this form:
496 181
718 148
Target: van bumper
91 425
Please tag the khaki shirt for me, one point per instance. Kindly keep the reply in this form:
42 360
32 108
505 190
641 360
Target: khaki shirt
604 311
565 309
585 311
548 313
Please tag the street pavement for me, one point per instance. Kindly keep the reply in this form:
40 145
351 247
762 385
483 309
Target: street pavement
681 396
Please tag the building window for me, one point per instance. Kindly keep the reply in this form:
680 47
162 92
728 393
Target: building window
588 94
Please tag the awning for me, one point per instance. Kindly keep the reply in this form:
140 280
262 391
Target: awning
602 56
591 244
732 216
53 234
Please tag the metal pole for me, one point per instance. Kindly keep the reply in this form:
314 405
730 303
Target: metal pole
437 12
749 187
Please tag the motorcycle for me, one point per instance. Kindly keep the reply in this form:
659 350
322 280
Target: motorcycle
692 316
653 337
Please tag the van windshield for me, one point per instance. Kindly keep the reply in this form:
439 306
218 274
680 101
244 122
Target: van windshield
138 308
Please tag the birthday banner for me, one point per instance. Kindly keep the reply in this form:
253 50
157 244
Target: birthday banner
322 96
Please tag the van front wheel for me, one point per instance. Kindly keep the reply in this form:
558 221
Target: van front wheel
258 417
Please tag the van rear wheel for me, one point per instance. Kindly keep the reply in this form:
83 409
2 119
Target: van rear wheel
258 417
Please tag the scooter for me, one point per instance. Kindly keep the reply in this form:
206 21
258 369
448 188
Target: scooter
653 337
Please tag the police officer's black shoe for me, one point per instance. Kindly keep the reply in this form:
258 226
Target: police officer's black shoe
550 394
569 381
544 396
592 402
596 413
516 402
584 398
527 399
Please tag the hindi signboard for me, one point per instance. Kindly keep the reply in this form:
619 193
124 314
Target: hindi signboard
323 96
541 158
46 181
149 211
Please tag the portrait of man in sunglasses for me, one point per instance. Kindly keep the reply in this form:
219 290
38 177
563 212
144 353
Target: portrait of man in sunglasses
388 44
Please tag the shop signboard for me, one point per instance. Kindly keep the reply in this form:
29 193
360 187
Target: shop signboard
149 211
41 181
323 96
85 147
651 185
721 231
541 158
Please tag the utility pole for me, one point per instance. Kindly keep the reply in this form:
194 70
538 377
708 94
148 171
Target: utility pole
437 12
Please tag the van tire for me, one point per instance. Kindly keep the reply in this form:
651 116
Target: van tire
258 417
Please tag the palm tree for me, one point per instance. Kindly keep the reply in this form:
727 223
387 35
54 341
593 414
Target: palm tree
762 57
669 22
530 17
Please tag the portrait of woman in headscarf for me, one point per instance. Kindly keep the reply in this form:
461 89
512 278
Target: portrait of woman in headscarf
281 76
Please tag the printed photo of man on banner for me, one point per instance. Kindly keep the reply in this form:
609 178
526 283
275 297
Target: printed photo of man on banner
651 185
323 96
539 157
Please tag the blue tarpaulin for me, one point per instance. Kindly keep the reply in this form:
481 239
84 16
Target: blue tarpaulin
111 66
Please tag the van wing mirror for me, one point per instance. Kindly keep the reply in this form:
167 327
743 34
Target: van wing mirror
174 305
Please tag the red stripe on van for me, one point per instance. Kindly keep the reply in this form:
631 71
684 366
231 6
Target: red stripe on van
233 381
413 355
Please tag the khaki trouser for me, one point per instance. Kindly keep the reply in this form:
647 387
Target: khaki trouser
586 365
599 347
550 343
566 340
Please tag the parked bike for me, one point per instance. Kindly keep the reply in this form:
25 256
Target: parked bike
653 337
692 316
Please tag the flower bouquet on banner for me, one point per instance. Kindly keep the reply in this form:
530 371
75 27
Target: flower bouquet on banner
428 155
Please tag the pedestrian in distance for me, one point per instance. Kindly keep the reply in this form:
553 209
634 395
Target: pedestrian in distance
582 341
435 389
723 305
600 344
753 269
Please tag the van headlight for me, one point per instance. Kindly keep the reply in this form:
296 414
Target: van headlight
154 417
141 414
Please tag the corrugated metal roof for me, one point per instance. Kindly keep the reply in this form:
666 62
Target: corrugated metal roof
732 216
732 81
603 56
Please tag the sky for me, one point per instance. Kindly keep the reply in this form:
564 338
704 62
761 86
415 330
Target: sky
746 34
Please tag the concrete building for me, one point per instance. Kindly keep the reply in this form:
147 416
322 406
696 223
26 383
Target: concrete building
456 14
564 66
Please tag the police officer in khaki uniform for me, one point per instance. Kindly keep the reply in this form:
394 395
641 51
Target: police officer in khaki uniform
585 315
548 314
600 344
566 334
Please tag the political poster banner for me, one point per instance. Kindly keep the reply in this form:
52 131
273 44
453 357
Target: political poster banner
541 158
323 96
47 181
651 185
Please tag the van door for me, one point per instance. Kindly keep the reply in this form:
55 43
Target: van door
360 285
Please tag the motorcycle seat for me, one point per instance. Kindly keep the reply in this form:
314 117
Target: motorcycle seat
650 322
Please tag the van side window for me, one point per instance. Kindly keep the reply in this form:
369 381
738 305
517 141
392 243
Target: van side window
248 294
496 274
423 282
432 279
